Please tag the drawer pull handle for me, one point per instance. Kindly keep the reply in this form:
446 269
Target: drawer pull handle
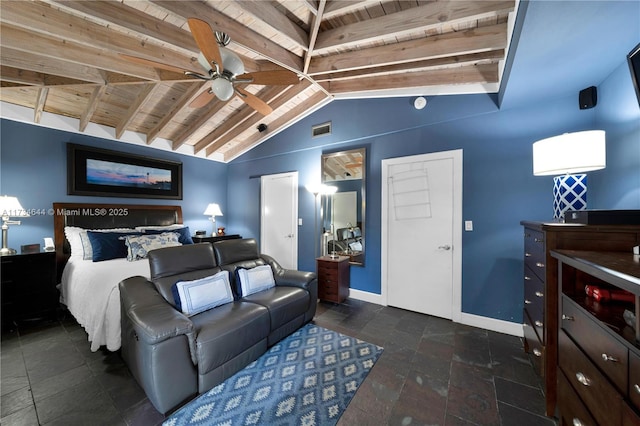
527 254
636 388
540 264
539 240
583 379
539 294
527 302
568 317
537 352
538 323
527 278
577 422
607 358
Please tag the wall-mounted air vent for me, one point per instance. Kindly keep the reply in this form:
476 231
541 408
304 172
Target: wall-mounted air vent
321 129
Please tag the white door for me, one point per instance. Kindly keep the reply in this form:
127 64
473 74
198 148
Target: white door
421 235
278 218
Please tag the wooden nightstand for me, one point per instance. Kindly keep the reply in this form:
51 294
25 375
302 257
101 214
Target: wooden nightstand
213 238
333 278
28 287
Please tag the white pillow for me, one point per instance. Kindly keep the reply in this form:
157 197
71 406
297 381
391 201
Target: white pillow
140 245
193 297
73 236
255 279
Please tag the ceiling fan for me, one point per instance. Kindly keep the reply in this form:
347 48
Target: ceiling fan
224 69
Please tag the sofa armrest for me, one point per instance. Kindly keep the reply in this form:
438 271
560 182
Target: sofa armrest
289 277
154 320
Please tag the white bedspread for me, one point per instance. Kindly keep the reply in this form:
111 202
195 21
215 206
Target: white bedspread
90 292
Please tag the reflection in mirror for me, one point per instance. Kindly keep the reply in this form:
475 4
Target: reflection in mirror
343 212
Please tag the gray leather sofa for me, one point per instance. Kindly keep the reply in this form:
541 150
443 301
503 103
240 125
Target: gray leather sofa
174 357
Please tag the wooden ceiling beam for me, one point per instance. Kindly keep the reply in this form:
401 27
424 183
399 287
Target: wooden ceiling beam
92 105
342 7
32 62
240 34
291 115
474 74
445 62
69 51
266 13
40 102
451 44
67 28
313 34
422 18
145 93
177 106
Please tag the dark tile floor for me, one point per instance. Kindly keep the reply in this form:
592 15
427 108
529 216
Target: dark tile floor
432 372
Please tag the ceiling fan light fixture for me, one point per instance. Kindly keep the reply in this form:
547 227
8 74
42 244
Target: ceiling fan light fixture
231 63
222 88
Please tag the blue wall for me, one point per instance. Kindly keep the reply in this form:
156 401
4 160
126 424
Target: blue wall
499 189
33 168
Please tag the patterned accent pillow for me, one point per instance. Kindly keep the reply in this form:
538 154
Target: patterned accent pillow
140 245
255 279
193 297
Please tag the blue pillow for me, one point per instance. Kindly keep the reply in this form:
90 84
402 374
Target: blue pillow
184 234
108 245
193 297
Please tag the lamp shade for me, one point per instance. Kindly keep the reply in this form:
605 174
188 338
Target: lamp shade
570 153
11 207
213 209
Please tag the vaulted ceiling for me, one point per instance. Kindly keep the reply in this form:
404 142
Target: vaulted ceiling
73 58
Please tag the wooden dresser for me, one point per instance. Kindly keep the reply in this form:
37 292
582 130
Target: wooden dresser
541 299
598 351
333 278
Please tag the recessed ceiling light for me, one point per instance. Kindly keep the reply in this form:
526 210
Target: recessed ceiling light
420 102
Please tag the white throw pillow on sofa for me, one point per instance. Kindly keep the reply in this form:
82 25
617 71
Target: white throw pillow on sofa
255 279
193 297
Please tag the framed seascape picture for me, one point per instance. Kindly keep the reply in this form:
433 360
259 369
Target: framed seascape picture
104 173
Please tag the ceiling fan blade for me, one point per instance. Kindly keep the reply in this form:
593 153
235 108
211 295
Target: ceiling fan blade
206 40
202 99
151 63
273 77
254 102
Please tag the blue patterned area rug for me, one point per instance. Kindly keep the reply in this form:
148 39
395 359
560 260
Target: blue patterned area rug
308 378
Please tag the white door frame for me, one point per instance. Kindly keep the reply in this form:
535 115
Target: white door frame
294 201
456 156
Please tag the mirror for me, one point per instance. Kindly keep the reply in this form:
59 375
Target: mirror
343 211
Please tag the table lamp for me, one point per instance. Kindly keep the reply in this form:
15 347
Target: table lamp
213 210
9 207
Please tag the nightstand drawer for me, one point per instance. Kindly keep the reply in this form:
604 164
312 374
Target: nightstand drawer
534 252
595 391
534 344
634 379
572 410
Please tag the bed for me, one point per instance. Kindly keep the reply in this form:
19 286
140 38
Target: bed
89 289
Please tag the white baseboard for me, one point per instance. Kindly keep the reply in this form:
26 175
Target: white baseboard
499 326
365 296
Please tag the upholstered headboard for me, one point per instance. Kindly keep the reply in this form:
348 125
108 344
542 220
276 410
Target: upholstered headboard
104 216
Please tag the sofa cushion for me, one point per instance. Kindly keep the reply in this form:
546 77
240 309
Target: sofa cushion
283 302
253 280
192 297
228 330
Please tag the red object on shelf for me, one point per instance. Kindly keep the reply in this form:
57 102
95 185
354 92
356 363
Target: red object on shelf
603 295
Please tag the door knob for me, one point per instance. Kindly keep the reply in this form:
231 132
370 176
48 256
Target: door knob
445 247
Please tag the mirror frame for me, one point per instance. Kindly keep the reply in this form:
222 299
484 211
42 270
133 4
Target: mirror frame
363 204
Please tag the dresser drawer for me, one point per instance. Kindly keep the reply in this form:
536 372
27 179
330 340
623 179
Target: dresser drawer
534 252
534 299
572 410
595 391
534 344
610 355
634 379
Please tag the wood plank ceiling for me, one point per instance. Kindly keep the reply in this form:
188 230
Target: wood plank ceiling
64 57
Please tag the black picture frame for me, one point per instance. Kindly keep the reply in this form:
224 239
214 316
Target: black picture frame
105 173
633 59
